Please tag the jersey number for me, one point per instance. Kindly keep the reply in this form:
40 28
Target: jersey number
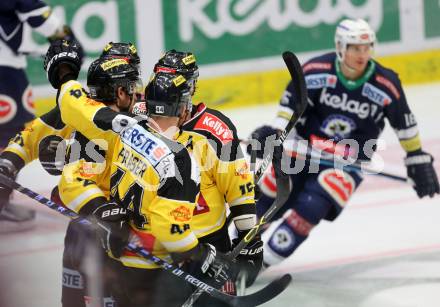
246 188
132 200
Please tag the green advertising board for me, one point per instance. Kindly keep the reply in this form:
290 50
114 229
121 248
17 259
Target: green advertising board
238 43
222 31
95 23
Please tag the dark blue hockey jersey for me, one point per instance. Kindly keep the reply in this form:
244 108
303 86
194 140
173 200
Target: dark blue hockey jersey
13 13
341 109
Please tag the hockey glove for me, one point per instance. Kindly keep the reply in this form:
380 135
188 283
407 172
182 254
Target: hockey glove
8 169
258 140
51 153
421 171
250 259
113 228
62 62
215 267
67 34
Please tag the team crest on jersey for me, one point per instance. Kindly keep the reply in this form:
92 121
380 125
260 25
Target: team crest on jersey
338 126
8 109
243 171
321 80
216 126
376 95
181 214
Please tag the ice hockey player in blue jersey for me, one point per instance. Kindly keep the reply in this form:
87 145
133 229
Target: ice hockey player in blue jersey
16 102
350 95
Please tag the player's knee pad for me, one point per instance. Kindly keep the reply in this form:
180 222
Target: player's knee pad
284 236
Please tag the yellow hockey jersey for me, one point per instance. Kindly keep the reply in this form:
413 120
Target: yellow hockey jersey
25 146
154 177
225 174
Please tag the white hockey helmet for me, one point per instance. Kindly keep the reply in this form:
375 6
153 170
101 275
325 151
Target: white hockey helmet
352 32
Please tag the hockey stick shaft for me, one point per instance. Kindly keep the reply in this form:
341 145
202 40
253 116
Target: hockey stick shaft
300 93
314 156
299 83
297 77
254 299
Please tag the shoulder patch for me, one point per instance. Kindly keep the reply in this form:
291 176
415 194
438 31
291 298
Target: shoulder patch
146 144
317 65
387 83
375 94
316 81
217 127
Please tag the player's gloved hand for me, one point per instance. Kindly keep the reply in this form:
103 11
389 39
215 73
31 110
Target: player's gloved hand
113 228
261 134
7 169
421 171
51 153
66 33
215 267
62 62
251 257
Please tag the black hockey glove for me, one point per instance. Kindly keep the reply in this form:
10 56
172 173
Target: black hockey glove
260 135
8 169
215 267
62 62
52 161
421 171
67 34
113 228
250 259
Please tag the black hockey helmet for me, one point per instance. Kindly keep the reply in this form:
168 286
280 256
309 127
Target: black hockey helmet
122 50
178 62
166 93
126 51
106 74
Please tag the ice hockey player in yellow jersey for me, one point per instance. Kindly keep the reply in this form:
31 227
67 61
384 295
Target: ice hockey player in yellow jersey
226 179
154 176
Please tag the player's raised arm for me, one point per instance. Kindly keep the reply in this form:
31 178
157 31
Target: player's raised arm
91 117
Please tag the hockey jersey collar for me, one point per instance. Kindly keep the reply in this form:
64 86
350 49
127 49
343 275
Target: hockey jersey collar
354 84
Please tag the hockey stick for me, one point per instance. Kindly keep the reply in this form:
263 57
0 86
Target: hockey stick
314 156
297 77
260 297
300 92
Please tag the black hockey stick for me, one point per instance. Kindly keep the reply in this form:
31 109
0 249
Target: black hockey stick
314 156
300 93
282 182
260 297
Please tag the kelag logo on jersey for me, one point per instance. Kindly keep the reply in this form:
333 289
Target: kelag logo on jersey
145 144
361 109
320 81
375 95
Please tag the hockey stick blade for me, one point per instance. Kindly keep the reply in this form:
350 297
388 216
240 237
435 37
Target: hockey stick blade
263 295
254 299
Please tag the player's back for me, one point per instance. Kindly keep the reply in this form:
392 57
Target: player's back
152 176
225 176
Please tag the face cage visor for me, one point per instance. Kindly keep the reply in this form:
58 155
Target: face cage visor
108 93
